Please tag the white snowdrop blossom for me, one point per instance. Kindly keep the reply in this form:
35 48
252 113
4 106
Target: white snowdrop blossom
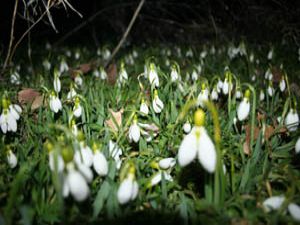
157 104
100 163
77 54
297 146
128 189
189 53
11 159
84 155
174 74
115 152
273 203
9 116
72 93
153 76
63 66
77 109
103 74
292 120
123 76
269 74
270 89
166 163
198 144
187 127
56 162
244 107
78 80
15 78
261 95
282 84
144 107
225 87
214 94
238 94
56 82
55 103
106 54
270 54
75 183
194 75
203 96
219 85
294 211
134 131
46 64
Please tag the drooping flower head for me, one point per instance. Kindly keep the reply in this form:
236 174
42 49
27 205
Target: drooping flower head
153 76
134 130
203 95
157 104
244 107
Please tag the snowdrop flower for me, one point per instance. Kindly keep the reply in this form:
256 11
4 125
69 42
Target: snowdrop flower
55 103
244 107
238 93
96 73
166 163
128 189
72 93
8 117
56 82
103 74
203 54
187 127
156 178
134 131
174 74
78 80
123 76
273 203
225 87
99 162
194 75
268 74
84 155
11 159
144 107
214 94
115 152
251 57
292 120
189 53
153 76
77 54
219 85
157 104
15 110
106 54
135 54
198 144
75 183
77 109
56 161
294 210
15 78
261 95
282 84
203 96
270 89
74 128
212 50
297 146
47 64
270 54
63 66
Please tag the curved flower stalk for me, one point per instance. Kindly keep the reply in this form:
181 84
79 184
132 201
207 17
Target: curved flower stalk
128 189
157 104
198 144
100 163
134 131
9 116
244 107
54 103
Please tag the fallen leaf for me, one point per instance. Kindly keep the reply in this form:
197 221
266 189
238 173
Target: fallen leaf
116 121
32 97
277 74
112 73
85 68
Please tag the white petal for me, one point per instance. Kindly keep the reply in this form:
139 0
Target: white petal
167 163
100 164
134 132
78 186
12 123
84 155
65 188
135 190
56 162
206 152
243 110
144 108
57 84
12 159
294 210
187 127
13 112
77 111
125 191
86 172
273 203
155 179
187 150
292 121
297 146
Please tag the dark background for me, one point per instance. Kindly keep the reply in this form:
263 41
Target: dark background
185 22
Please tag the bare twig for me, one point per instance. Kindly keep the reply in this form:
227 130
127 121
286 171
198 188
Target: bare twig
138 9
6 62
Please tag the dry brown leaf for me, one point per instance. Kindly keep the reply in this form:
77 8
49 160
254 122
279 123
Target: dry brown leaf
85 68
112 73
30 96
115 123
277 74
